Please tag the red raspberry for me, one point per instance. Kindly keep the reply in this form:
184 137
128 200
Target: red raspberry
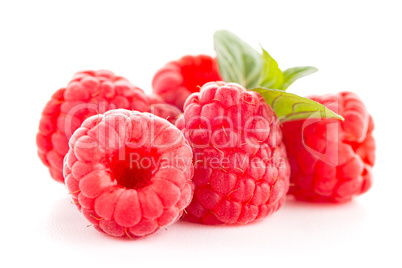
87 94
331 160
178 79
241 170
129 173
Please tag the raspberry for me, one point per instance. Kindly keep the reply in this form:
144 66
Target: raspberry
87 94
178 79
330 160
129 173
241 172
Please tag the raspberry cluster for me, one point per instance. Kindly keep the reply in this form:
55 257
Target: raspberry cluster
211 145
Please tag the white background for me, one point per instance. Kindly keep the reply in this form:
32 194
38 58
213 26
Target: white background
355 44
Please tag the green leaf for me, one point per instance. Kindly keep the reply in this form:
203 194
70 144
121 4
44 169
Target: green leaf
272 76
292 107
238 62
292 74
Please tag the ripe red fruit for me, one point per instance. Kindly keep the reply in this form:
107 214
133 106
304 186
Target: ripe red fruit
178 79
129 173
87 94
241 170
331 160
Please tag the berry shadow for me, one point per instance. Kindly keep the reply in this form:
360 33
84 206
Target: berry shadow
67 225
316 217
